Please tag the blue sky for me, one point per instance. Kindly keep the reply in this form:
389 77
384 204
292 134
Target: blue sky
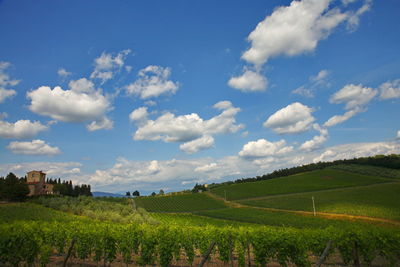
150 95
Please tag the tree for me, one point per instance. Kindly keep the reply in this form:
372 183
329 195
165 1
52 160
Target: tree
153 194
136 194
13 188
128 194
161 192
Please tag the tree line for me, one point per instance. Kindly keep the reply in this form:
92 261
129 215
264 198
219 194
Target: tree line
13 188
387 161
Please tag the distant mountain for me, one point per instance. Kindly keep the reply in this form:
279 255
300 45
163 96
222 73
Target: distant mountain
106 194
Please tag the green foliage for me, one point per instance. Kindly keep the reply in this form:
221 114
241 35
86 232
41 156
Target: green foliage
179 203
13 188
97 209
369 170
304 182
272 218
32 242
380 200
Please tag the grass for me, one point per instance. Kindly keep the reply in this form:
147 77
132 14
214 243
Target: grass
188 219
304 182
368 170
381 200
283 219
179 203
13 212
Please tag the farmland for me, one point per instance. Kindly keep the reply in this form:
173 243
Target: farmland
304 182
375 201
179 203
262 222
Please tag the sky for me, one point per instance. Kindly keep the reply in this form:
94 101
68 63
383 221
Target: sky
150 95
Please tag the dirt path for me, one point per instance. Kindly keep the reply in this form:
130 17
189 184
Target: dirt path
307 213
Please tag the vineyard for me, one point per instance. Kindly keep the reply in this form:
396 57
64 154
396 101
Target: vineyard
143 244
260 223
304 182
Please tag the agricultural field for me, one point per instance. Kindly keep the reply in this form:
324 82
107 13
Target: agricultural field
368 170
179 203
303 182
380 200
34 239
277 218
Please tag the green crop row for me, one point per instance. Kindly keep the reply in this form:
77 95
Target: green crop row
179 203
379 200
304 182
33 243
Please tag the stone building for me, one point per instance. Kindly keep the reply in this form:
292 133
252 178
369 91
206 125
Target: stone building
36 181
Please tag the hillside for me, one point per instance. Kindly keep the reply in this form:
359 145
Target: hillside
302 182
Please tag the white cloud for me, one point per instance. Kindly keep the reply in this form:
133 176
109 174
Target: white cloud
106 65
52 169
317 140
21 129
35 147
342 118
390 89
139 115
187 128
63 73
5 82
198 144
207 167
294 118
316 81
353 19
5 93
249 81
264 148
306 92
356 150
398 134
81 103
292 30
103 123
353 96
153 81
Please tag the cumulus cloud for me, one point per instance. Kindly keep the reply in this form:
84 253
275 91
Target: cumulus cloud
317 140
198 144
356 150
390 89
294 118
249 81
398 134
35 147
353 96
207 167
139 115
153 81
103 123
292 30
337 119
63 73
82 103
21 129
5 82
187 128
264 148
107 65
52 169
